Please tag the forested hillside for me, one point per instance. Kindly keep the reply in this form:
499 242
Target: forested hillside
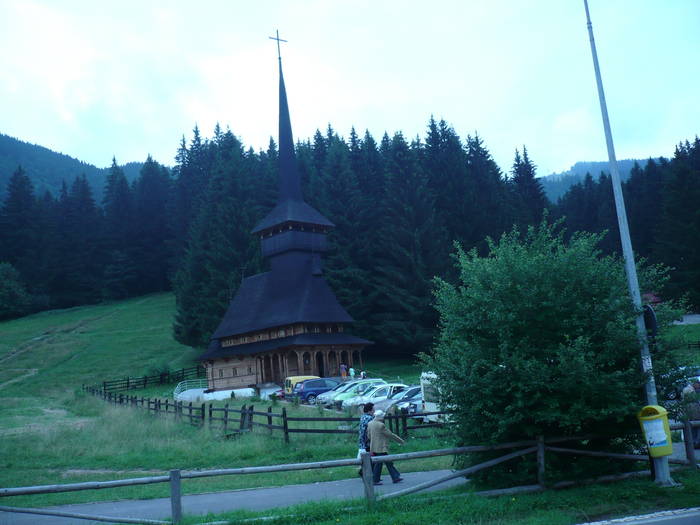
398 206
557 184
48 170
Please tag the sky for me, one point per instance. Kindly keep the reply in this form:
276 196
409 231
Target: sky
127 79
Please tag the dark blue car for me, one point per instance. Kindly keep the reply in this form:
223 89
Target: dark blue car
307 390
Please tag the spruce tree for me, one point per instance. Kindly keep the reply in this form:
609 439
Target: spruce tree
679 226
409 254
151 235
17 225
531 201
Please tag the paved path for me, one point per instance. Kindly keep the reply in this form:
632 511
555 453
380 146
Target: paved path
670 517
249 499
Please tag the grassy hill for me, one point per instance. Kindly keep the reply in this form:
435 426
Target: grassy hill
52 433
45 357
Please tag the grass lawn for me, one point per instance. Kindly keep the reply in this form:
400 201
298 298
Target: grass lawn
462 506
52 432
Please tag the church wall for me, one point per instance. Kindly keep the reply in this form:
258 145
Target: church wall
234 372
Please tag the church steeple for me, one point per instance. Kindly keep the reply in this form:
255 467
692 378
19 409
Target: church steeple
289 181
290 207
286 321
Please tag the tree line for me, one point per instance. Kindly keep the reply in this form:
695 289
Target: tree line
398 206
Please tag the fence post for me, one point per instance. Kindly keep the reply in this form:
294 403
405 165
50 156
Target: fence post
251 409
404 423
127 382
145 381
241 420
189 411
211 413
175 496
285 425
225 418
204 413
269 418
367 477
540 461
167 405
688 442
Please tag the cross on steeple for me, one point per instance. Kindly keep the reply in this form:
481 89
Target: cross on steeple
279 55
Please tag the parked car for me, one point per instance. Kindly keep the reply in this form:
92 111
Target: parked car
326 399
373 395
290 381
398 397
359 388
411 404
307 391
671 385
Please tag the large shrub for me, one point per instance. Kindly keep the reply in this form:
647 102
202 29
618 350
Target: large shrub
538 338
14 299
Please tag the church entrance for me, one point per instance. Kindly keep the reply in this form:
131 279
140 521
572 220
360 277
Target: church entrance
320 364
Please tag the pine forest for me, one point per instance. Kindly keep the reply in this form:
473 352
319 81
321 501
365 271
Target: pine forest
399 205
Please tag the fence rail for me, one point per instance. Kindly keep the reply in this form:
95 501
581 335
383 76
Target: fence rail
234 421
539 446
170 376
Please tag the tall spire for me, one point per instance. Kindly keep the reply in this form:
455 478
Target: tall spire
290 205
289 181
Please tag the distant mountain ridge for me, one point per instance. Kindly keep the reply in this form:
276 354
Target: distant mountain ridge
48 169
557 184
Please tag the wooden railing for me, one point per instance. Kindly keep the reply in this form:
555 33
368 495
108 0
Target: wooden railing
162 378
539 446
234 421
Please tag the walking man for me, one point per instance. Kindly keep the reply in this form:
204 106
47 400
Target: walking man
379 437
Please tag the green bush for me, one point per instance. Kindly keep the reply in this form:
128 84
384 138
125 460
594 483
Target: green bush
14 299
539 338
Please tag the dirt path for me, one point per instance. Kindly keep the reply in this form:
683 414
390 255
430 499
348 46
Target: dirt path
50 335
28 372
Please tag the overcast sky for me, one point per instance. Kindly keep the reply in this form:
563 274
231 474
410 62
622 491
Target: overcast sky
128 78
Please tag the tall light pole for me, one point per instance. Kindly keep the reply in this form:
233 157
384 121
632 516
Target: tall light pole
661 470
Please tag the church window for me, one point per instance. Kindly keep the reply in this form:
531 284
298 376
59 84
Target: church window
221 372
317 329
328 329
234 371
250 370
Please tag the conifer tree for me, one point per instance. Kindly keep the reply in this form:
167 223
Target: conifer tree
679 226
410 253
150 243
17 225
530 198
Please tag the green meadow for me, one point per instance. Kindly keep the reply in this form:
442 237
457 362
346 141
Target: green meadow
51 432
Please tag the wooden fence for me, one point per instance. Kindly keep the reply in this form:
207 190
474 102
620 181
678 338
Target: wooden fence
233 421
540 447
163 378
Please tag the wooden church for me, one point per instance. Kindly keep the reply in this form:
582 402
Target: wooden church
286 321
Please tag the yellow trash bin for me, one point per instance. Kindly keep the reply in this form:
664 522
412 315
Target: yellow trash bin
657 434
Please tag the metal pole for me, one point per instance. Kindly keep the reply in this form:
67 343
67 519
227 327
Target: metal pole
663 474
